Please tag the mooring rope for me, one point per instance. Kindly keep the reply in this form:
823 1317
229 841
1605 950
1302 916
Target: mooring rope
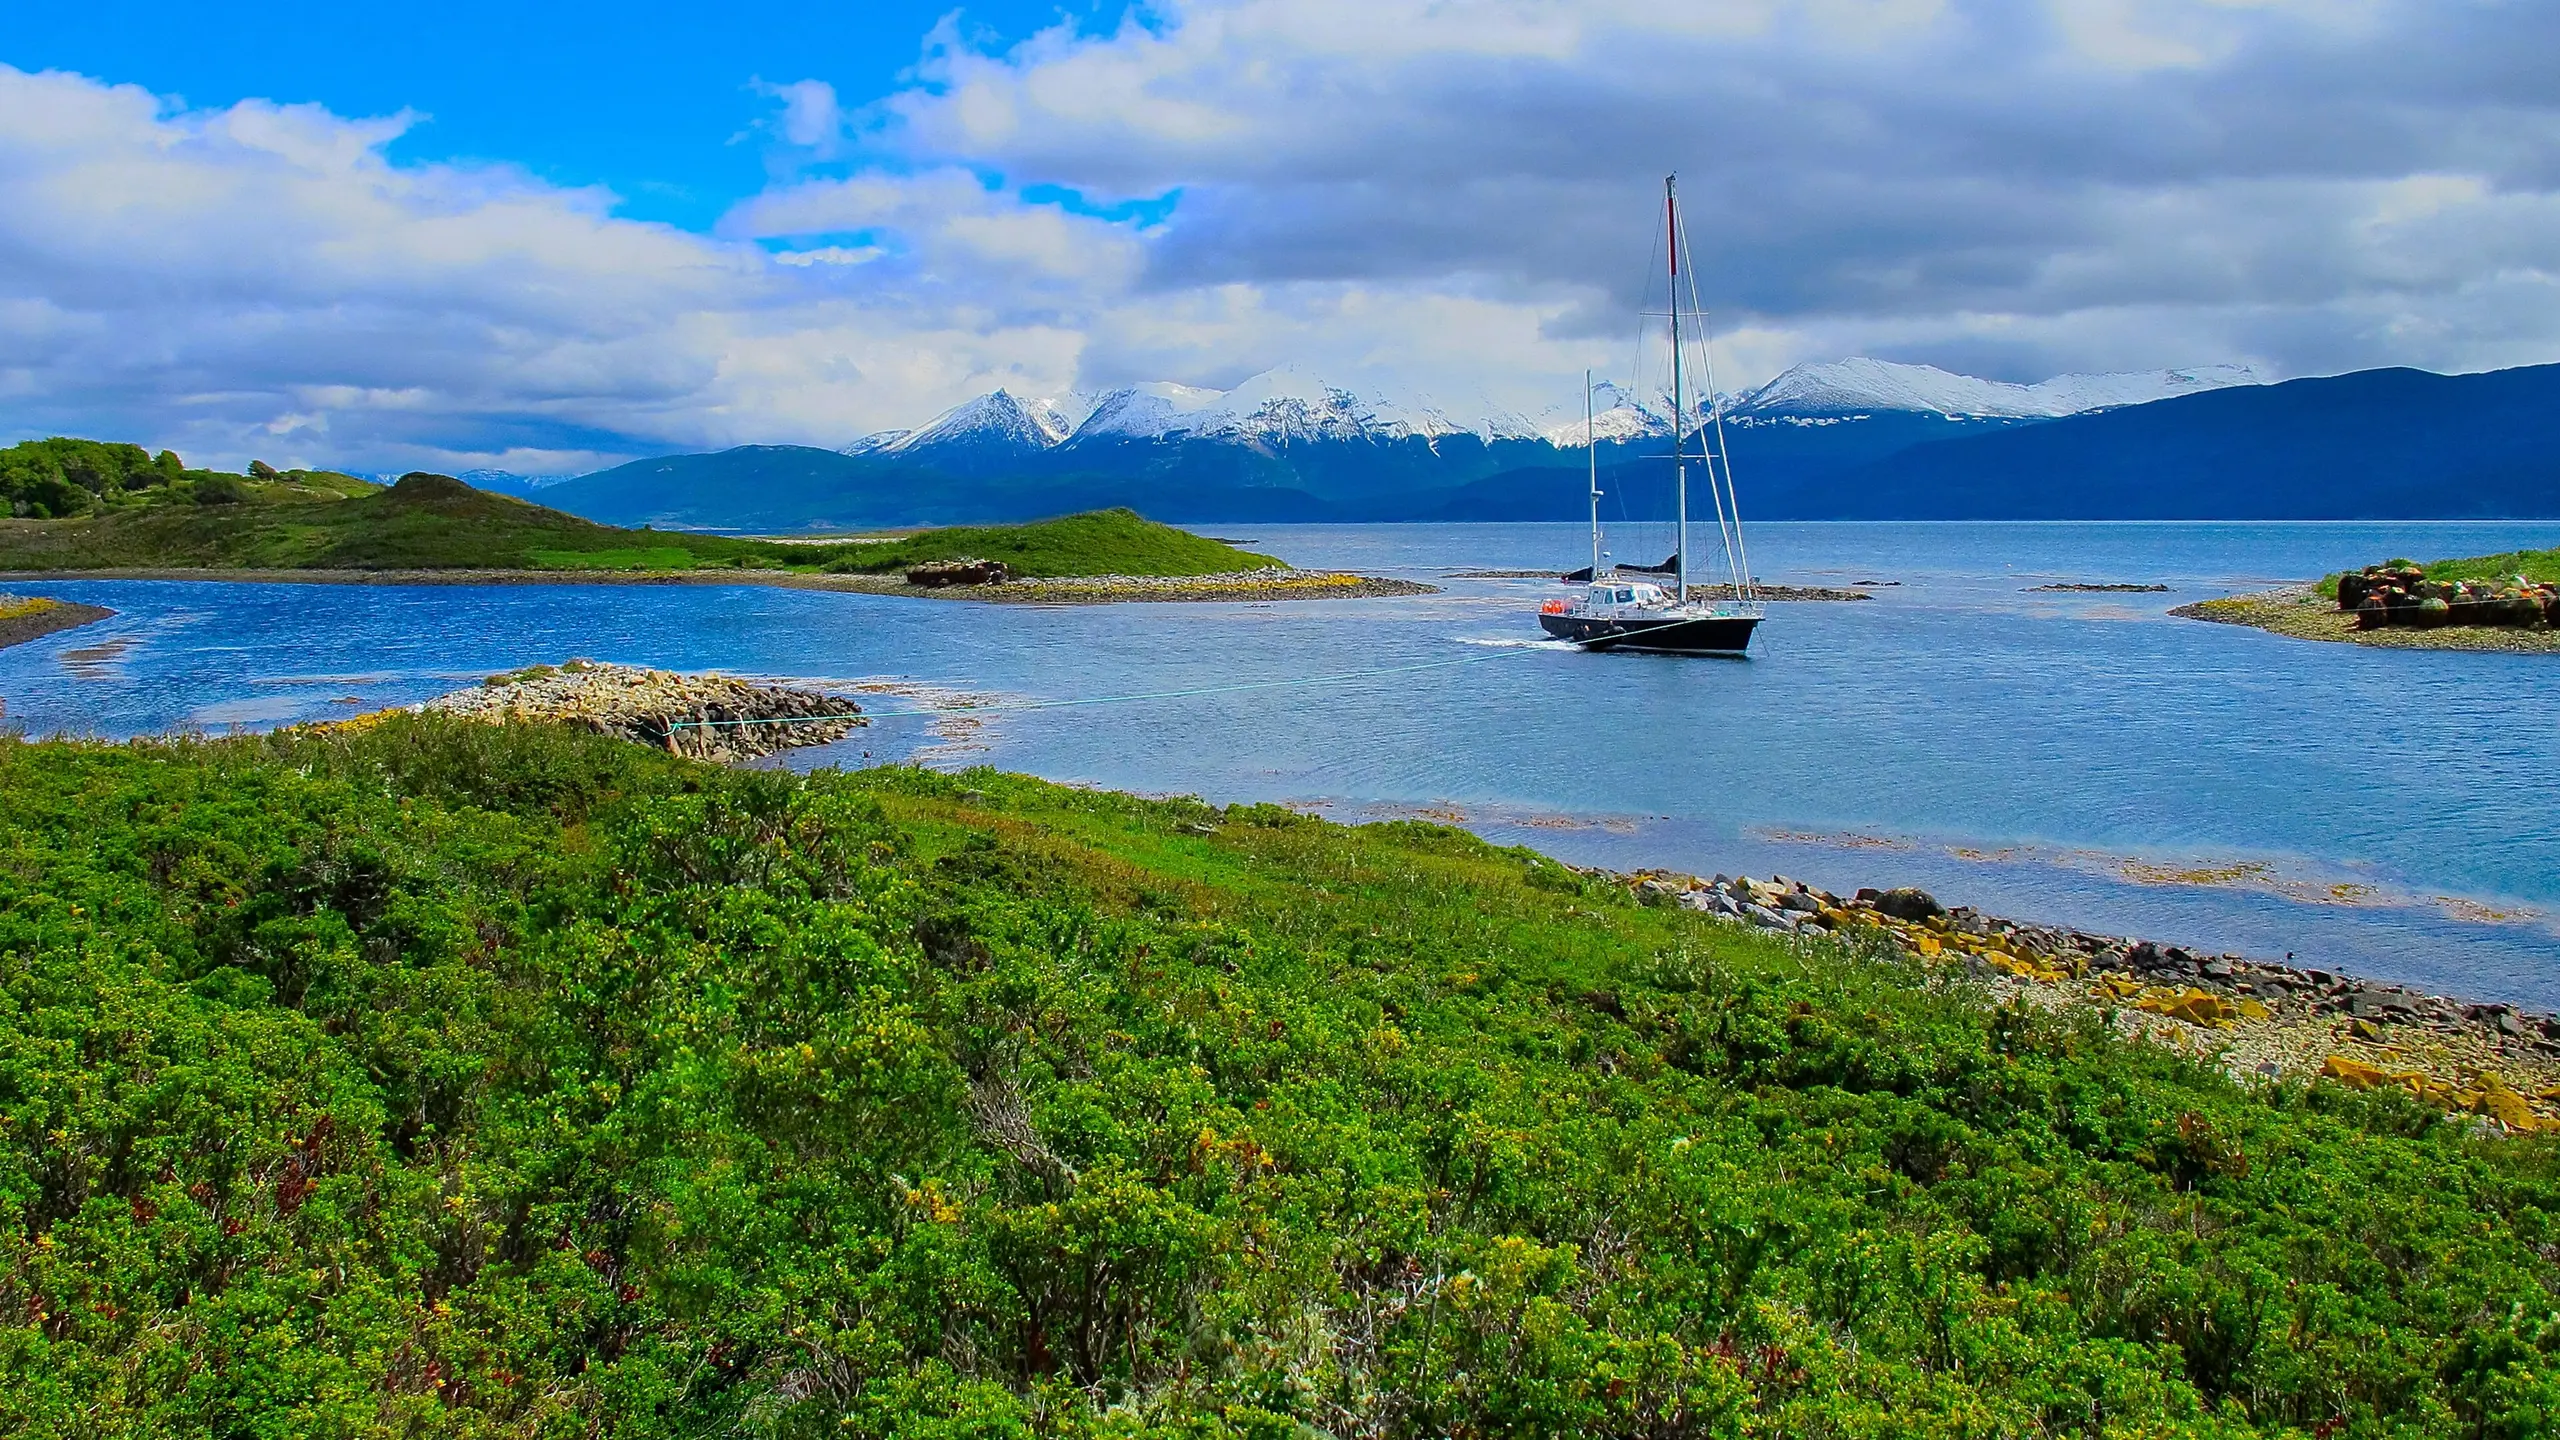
1000 707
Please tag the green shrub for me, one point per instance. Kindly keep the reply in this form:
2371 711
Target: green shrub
448 1079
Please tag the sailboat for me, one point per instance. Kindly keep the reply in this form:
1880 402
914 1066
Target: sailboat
1626 607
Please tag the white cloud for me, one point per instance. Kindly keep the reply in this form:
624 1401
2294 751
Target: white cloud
1448 195
2073 184
261 281
811 120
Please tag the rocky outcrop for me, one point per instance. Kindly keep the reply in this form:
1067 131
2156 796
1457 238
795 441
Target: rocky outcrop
2398 593
2496 1061
708 717
935 574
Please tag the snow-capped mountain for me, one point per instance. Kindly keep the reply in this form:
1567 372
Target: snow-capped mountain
1840 388
1913 443
996 421
1282 406
1289 405
1148 411
877 440
1617 415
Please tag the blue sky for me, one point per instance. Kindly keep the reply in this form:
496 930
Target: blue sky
547 238
655 100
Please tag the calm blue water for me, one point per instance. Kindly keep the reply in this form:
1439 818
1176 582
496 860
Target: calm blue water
2073 758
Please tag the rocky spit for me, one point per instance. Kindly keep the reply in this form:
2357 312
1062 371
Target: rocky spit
30 617
1266 584
693 715
2255 1018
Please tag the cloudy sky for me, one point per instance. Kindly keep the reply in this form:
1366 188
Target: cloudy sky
546 243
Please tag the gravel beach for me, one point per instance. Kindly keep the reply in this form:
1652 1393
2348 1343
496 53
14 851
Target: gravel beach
2255 1018
2305 614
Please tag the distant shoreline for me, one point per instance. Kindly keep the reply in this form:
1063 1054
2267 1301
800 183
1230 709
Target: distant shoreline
1058 590
2303 613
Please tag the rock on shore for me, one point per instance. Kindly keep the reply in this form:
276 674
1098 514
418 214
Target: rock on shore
2258 1018
708 717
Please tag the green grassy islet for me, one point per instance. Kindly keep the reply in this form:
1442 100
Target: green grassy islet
1099 542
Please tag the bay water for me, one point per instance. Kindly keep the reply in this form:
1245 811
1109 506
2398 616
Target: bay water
2076 758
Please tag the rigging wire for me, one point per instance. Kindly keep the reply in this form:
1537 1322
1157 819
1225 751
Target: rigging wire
1737 552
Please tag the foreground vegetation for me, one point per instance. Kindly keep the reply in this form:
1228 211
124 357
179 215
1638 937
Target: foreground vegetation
449 1079
83 505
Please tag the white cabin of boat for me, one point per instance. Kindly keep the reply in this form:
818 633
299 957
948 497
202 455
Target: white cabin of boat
1610 599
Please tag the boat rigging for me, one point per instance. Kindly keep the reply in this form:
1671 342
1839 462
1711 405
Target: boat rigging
1615 610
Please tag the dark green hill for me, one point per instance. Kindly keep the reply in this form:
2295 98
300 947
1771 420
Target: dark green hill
426 522
435 522
442 1080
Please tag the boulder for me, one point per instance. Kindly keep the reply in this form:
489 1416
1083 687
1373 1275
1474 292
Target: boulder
2355 1074
1906 903
934 574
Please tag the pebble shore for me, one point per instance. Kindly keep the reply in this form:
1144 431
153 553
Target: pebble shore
1267 584
2305 614
2255 1018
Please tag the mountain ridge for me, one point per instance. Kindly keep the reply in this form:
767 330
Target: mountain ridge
1277 453
1289 403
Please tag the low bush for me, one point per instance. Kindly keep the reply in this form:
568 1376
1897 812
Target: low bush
450 1079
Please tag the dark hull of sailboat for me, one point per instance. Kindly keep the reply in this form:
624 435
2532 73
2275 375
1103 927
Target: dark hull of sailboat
1693 635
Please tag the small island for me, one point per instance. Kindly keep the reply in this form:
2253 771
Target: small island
117 512
2508 602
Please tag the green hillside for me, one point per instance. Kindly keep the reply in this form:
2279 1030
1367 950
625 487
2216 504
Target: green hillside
426 522
161 516
1099 542
434 1079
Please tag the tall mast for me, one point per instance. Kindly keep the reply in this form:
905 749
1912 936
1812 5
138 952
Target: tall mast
1679 401
1591 445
